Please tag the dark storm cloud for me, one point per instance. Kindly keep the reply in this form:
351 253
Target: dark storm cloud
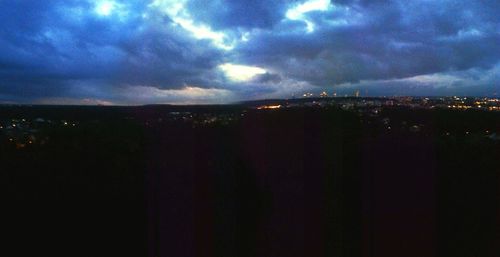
268 78
388 39
47 46
222 14
63 49
165 60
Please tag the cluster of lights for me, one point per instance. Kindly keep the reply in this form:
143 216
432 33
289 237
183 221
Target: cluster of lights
264 107
460 106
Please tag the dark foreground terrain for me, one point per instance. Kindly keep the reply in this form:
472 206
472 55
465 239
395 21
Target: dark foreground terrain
229 181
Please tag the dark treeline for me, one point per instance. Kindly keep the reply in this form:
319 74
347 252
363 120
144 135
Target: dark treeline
288 182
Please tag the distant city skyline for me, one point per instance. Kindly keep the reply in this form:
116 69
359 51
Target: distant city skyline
119 52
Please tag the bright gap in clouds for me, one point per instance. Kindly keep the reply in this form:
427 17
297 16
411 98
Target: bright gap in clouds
204 32
105 8
177 11
240 73
297 12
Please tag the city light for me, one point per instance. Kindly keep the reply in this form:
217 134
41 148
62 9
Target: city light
269 107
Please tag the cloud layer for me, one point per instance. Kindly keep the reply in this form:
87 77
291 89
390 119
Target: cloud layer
188 51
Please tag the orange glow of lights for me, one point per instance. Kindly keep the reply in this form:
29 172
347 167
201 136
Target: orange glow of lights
269 107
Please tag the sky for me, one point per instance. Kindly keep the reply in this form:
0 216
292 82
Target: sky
134 52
